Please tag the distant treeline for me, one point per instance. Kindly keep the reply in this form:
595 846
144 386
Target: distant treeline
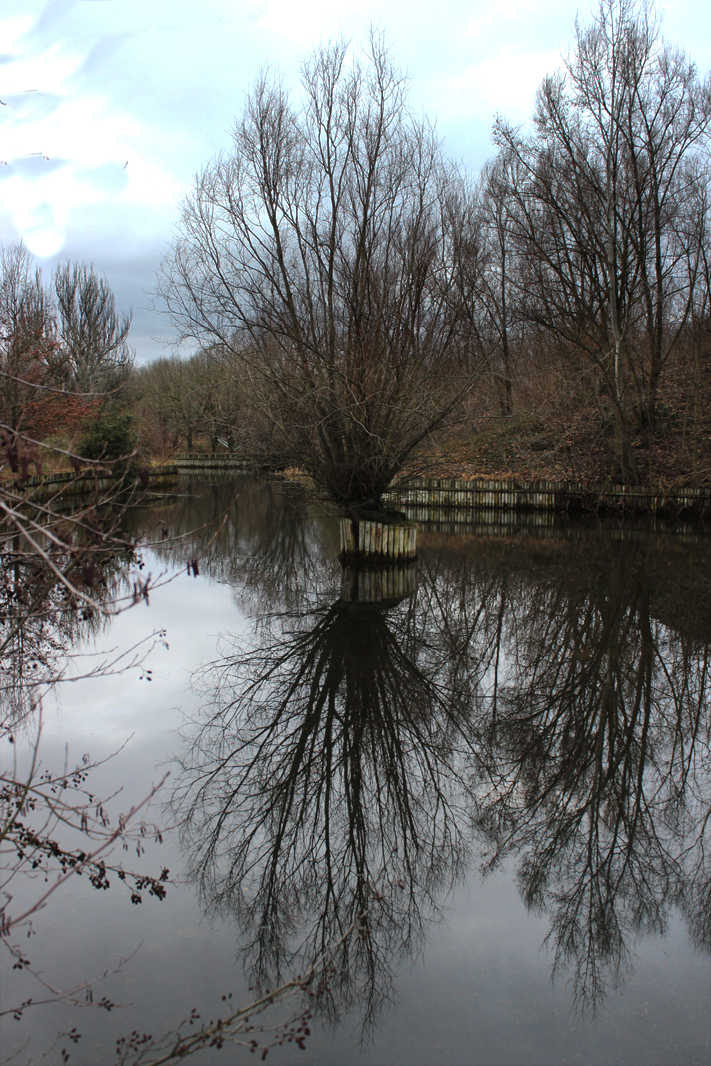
357 304
335 268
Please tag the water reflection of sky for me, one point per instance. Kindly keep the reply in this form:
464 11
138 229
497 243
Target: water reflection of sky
515 619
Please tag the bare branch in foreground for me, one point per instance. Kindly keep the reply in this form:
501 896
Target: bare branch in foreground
239 1027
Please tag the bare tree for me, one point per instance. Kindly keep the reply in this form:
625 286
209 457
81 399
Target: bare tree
495 276
28 343
94 336
319 251
176 394
618 154
697 239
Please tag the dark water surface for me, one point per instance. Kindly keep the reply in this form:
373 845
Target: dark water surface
514 755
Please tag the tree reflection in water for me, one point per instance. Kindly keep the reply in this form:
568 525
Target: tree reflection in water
543 704
597 754
275 549
42 625
330 766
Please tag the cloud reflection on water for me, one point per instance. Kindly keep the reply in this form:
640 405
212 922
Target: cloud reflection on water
544 703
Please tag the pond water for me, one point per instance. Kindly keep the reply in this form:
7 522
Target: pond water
505 765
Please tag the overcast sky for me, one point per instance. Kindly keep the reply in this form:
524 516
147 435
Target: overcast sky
111 106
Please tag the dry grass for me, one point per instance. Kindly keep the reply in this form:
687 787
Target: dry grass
561 429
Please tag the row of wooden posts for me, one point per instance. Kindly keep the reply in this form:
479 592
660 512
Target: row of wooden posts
366 540
542 496
86 482
437 493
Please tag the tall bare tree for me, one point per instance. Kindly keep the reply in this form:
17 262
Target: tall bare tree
697 236
496 276
319 251
28 345
618 154
93 335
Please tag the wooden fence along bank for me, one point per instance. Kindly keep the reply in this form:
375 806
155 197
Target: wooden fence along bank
85 483
214 463
419 497
88 481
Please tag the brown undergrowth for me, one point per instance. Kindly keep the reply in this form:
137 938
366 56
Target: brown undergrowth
561 430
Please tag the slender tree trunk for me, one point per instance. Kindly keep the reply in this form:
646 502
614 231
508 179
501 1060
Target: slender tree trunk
508 384
697 386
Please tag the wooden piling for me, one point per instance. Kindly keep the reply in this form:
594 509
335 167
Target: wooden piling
377 542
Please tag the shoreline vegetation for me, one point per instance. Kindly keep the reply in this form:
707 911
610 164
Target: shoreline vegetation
433 490
361 310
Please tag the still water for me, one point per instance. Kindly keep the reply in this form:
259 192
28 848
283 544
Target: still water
505 764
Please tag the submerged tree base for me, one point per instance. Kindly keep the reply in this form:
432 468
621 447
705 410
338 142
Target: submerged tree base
367 541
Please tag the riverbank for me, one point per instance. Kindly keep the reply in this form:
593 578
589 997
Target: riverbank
418 496
568 443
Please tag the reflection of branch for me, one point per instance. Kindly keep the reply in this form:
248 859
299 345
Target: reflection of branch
41 553
237 1027
49 555
601 718
38 630
270 550
334 749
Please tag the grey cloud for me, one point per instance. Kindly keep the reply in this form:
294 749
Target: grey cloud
32 105
104 49
108 177
151 333
32 167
